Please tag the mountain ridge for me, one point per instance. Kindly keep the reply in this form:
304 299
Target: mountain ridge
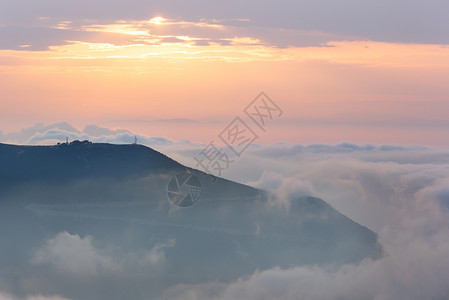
117 194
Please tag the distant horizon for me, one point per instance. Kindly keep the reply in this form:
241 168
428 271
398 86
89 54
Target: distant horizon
202 132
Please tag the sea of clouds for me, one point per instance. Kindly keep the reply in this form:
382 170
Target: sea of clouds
401 192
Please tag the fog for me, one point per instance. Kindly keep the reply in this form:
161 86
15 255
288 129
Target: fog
400 192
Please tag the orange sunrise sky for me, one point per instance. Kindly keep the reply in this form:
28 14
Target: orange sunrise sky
182 73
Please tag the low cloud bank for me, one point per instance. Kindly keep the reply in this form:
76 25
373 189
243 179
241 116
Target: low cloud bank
401 192
41 134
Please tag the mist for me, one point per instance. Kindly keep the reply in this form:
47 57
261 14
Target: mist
399 192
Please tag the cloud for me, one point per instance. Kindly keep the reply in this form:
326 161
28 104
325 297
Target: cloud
5 296
44 36
400 191
157 255
31 38
27 135
74 255
288 150
412 272
78 257
284 24
41 134
96 131
399 21
145 32
372 184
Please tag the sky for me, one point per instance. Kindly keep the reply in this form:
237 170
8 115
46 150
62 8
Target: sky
362 87
364 72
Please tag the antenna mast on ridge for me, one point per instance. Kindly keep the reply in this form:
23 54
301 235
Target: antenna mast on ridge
135 140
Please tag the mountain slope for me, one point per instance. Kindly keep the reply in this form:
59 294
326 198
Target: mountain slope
111 201
79 159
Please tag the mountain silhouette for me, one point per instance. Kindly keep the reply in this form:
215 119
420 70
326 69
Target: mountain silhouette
156 221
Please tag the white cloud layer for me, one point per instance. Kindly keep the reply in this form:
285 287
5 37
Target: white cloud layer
75 255
41 134
5 296
401 192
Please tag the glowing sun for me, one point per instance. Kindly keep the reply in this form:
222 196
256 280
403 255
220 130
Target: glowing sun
157 20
